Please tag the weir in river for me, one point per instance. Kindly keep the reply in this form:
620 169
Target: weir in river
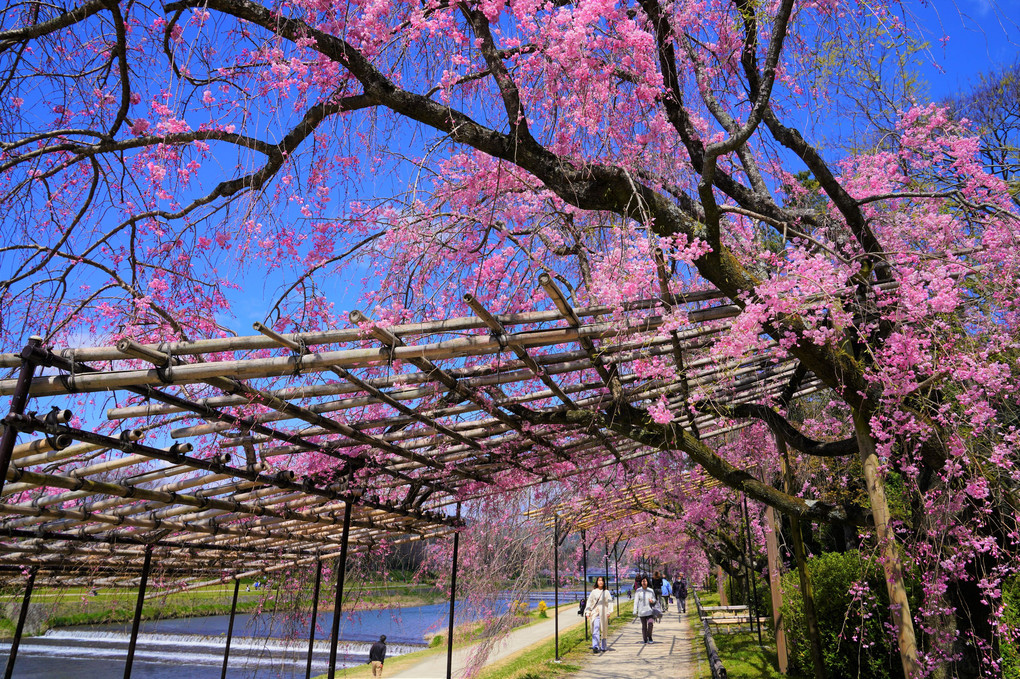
263 645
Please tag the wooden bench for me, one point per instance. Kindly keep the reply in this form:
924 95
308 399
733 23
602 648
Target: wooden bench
732 624
723 608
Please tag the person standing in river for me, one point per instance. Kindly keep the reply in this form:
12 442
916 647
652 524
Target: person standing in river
644 601
597 611
377 656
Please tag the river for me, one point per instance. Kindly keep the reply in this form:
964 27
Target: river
262 647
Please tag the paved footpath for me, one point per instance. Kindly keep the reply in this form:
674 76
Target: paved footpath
434 667
670 656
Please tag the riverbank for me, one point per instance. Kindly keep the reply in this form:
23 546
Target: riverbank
79 606
533 635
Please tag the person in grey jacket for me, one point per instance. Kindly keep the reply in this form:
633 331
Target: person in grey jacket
644 600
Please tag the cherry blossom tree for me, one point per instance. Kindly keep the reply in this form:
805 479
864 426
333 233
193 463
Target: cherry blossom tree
150 156
992 104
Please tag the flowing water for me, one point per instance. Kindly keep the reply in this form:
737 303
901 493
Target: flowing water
262 647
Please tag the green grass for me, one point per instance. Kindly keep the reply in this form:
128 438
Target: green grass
78 606
538 661
742 657
464 634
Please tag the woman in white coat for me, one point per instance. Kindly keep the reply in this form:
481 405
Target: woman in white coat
597 610
644 602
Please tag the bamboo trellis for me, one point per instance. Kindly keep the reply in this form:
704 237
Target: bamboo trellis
234 456
633 505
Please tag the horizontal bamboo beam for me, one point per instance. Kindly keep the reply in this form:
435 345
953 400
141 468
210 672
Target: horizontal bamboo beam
338 336
462 347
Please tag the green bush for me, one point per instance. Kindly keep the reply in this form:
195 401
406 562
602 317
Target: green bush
1010 645
853 633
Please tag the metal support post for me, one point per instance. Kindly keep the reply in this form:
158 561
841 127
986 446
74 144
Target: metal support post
138 612
315 616
605 560
230 628
750 572
16 641
616 572
584 551
18 401
453 599
556 584
341 569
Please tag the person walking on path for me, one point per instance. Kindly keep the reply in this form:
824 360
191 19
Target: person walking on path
667 592
657 584
377 656
597 611
644 602
680 592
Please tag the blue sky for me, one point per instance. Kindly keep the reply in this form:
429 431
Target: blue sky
982 36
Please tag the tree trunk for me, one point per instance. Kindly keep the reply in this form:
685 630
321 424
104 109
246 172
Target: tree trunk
891 562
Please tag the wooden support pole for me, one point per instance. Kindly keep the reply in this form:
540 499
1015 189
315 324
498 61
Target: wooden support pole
315 616
18 401
230 628
772 550
22 616
892 564
453 600
720 584
341 569
137 619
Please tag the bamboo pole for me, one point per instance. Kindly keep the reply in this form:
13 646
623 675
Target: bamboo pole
215 466
190 373
472 376
451 325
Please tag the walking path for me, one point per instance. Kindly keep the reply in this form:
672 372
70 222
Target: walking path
434 667
671 656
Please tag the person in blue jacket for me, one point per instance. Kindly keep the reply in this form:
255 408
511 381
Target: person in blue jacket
667 592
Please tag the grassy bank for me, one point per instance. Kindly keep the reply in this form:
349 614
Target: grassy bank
463 635
80 606
742 657
539 661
